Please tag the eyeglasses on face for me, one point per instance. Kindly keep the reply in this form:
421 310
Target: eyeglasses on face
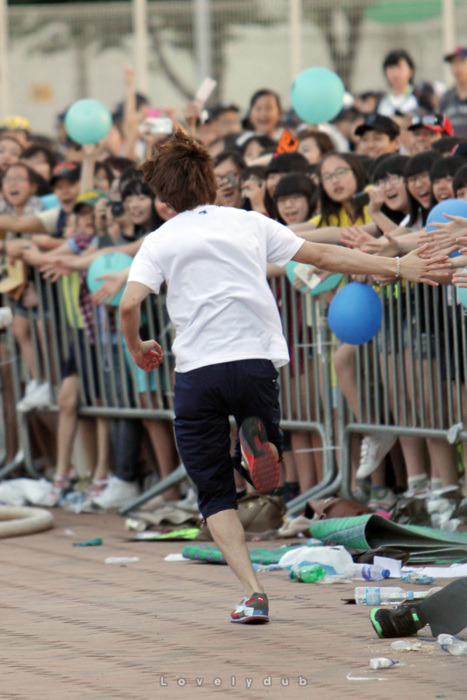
421 177
391 179
338 172
18 178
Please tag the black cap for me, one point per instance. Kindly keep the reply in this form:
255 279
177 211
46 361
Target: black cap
220 108
458 51
67 171
376 122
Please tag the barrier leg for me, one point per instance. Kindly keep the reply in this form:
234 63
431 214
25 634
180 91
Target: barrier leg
177 476
16 462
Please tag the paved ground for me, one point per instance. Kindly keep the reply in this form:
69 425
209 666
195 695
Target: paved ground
74 627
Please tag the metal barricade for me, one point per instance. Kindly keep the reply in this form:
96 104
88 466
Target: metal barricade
410 380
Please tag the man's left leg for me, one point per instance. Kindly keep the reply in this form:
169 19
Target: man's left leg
228 534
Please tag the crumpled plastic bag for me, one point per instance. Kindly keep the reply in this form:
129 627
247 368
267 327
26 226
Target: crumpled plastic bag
20 492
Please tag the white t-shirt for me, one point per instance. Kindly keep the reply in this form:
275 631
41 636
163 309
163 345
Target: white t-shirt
214 262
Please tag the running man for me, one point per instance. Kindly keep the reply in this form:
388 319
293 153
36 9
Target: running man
229 339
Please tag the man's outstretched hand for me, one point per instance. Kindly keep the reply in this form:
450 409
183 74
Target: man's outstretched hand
148 355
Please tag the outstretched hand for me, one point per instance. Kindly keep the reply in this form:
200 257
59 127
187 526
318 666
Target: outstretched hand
113 282
445 234
54 269
148 355
425 264
356 237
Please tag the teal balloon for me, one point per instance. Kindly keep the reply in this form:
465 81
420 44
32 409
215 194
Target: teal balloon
355 313
108 262
88 121
50 201
317 95
325 286
462 292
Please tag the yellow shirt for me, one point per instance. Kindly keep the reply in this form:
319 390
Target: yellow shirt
342 219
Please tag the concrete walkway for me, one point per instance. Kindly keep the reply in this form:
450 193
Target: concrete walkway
73 627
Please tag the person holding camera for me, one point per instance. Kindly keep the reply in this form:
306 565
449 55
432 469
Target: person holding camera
227 168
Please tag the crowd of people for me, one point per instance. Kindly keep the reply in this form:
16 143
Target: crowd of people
368 179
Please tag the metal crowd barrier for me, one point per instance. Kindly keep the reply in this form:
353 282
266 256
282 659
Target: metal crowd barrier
419 352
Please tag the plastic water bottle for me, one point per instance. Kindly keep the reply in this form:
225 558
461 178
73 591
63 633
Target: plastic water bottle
383 663
453 645
414 577
336 557
406 645
389 596
310 573
368 572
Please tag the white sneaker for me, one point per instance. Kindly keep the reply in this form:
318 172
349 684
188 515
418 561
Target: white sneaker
373 449
116 494
382 499
421 489
361 493
36 396
190 501
30 390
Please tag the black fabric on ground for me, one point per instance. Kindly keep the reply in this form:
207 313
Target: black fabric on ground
446 610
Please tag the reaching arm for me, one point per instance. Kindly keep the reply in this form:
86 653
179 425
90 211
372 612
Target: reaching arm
86 180
327 234
29 223
147 354
353 262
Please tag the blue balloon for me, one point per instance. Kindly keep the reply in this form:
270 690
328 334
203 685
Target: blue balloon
453 207
462 293
108 262
325 286
88 121
355 313
317 95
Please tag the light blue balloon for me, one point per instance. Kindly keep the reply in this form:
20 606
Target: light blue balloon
88 121
317 95
462 292
453 207
325 286
108 262
355 313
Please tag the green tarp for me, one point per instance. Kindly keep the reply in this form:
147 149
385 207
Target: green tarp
424 544
209 553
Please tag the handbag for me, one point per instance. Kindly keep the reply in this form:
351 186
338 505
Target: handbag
258 513
12 277
334 508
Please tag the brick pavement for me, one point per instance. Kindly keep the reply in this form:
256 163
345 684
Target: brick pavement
72 627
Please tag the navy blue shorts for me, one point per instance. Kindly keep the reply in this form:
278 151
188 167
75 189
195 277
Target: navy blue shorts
204 400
